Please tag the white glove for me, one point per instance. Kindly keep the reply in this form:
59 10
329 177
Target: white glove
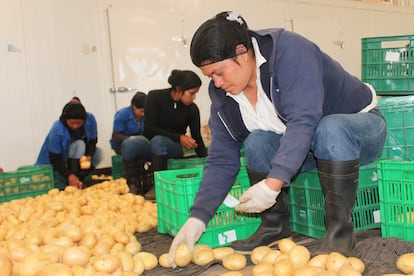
190 233
257 198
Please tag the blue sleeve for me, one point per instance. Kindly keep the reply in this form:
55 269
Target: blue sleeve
222 167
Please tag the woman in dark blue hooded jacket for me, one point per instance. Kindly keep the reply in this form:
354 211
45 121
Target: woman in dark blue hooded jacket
293 108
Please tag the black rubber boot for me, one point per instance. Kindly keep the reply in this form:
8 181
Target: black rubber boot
339 182
275 223
133 176
147 179
159 163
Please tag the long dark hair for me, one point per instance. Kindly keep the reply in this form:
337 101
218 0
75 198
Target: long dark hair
185 79
216 39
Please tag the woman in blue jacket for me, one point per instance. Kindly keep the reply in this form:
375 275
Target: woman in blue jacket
293 108
129 142
71 137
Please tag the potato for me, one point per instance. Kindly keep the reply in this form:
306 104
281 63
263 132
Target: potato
85 164
327 273
232 273
76 255
258 253
271 256
129 273
234 261
357 264
72 231
283 268
107 263
127 260
121 237
318 260
100 248
53 251
139 266
299 256
33 264
285 245
221 252
19 253
133 247
348 270
203 257
56 270
283 256
5 265
405 263
308 271
163 260
89 240
150 260
83 158
183 255
334 261
262 268
198 247
78 270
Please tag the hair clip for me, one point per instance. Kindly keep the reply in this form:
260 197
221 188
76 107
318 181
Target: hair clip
234 16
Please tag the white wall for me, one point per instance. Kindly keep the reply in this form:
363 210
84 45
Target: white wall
51 50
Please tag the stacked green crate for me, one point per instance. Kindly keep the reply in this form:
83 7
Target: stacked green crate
396 190
388 64
399 114
27 181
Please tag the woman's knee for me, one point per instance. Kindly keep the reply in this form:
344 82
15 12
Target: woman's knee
332 141
76 149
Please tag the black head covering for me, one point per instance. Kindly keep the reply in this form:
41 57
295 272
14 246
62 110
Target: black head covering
73 110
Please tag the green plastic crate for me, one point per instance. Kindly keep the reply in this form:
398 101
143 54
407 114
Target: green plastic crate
396 190
27 181
117 167
176 190
307 204
388 64
399 114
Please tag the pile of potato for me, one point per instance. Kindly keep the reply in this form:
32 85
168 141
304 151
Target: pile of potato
90 232
289 260
76 232
292 259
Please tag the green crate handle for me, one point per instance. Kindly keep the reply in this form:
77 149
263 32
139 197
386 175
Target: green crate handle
188 175
380 42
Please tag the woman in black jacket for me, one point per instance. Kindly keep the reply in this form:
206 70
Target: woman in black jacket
168 114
